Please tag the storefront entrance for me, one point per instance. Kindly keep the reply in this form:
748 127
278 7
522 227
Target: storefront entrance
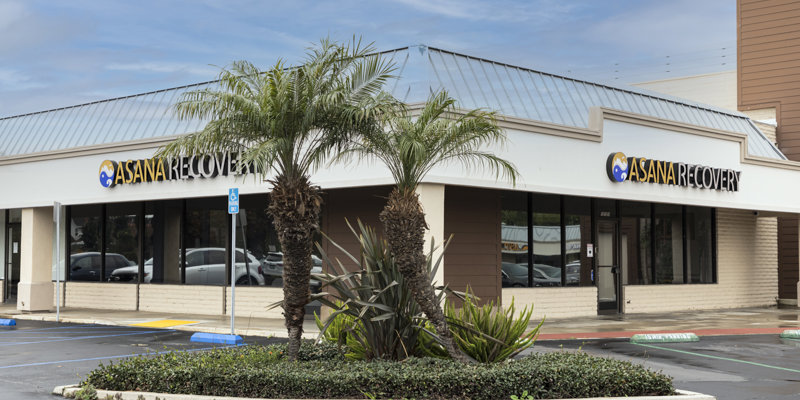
608 268
11 263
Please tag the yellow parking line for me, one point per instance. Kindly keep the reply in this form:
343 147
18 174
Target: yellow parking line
164 323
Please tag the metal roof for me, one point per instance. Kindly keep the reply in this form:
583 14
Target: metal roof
474 82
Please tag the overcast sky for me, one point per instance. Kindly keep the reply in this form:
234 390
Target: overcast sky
54 54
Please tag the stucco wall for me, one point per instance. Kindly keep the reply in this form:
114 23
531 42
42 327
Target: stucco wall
747 271
554 302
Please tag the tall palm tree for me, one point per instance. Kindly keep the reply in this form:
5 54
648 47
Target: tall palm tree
410 147
284 122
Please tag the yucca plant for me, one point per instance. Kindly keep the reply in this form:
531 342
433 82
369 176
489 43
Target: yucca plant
374 312
486 333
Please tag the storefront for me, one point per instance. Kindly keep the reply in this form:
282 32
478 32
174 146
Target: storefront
628 202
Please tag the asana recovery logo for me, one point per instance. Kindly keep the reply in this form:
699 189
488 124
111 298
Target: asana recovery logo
107 171
617 167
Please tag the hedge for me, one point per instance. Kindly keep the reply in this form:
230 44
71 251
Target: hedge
261 371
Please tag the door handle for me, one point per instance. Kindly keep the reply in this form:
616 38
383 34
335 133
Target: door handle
614 269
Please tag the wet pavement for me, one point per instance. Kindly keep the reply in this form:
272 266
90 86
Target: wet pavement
36 356
743 367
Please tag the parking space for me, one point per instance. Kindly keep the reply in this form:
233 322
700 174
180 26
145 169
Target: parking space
37 356
729 367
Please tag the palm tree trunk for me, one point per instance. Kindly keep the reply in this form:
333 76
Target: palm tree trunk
404 223
295 208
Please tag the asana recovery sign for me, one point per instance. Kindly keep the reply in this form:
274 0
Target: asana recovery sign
113 173
640 169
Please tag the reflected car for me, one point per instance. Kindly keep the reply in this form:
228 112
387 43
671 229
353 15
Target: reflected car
87 266
203 266
273 269
573 273
516 275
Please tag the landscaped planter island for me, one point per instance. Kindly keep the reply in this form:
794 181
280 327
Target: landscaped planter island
324 373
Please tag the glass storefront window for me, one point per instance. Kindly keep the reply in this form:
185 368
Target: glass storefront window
162 241
259 239
699 245
547 266
578 228
122 242
668 237
635 257
514 240
205 238
85 235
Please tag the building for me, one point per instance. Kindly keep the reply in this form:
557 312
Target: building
629 201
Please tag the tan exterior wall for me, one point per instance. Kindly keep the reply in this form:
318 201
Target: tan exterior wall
253 302
2 287
768 76
63 294
746 270
554 302
473 257
100 295
717 89
190 299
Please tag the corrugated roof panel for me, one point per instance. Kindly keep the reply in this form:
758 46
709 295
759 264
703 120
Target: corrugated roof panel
474 82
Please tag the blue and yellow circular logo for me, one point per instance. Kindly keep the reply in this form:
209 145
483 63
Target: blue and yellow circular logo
617 167
107 171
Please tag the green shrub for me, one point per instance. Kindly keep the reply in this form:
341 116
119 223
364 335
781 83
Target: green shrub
374 313
488 333
255 371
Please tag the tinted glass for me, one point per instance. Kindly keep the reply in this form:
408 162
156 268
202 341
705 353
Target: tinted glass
122 240
668 237
514 239
84 243
547 238
206 231
636 243
163 241
255 234
578 226
699 246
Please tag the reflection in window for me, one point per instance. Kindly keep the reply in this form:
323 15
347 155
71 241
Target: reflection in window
162 241
514 240
699 248
635 242
578 226
85 263
546 240
255 233
205 238
122 242
668 237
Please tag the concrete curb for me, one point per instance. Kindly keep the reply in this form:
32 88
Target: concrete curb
185 328
102 394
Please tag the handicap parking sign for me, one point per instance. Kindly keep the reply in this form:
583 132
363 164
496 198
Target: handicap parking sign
233 201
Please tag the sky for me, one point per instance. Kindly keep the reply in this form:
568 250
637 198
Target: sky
56 54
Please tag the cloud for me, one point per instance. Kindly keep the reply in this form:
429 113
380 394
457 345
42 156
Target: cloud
11 79
477 10
164 67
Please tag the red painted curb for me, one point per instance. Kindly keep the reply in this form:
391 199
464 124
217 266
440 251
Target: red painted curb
628 334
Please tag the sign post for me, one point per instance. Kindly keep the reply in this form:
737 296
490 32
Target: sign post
57 220
233 209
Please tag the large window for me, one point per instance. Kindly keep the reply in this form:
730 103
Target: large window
85 239
205 239
122 241
699 245
256 236
545 241
636 242
514 234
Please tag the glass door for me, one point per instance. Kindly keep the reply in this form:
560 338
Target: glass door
13 242
608 283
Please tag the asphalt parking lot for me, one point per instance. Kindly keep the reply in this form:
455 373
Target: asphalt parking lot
37 356
728 367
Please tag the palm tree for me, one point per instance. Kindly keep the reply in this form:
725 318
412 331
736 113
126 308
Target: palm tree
410 148
285 122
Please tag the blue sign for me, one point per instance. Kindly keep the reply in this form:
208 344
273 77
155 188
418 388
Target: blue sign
233 201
